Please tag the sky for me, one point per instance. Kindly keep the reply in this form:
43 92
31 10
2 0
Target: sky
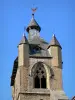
55 17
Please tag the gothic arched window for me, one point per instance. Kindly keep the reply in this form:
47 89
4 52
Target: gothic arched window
40 76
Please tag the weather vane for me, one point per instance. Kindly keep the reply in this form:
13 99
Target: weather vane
33 10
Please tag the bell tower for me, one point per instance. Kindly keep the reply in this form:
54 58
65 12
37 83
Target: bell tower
37 70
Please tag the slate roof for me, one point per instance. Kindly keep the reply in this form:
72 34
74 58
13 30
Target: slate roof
33 24
42 44
54 42
15 66
35 40
39 41
41 54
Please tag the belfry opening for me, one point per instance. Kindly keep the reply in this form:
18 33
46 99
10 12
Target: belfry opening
39 76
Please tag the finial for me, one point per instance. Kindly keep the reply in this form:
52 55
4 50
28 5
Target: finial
23 34
53 35
33 15
24 31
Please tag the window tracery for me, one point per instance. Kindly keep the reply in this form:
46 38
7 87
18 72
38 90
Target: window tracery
40 76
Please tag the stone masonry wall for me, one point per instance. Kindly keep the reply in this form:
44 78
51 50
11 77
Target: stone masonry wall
34 96
32 62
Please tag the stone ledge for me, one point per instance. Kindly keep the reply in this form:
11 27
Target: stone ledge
37 91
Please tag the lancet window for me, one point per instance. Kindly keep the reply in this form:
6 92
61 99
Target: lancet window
40 76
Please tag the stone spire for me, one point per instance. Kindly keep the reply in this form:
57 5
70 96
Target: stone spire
23 40
54 42
33 25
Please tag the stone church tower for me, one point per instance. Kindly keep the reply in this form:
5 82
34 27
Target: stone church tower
37 70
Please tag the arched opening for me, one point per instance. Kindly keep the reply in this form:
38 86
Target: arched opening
37 82
43 82
40 76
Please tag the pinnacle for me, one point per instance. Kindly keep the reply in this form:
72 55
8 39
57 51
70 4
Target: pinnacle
53 35
54 42
23 34
23 40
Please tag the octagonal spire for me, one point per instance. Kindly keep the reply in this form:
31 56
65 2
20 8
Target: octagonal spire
54 42
33 25
23 40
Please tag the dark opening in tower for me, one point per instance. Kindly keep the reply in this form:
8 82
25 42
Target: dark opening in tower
37 82
43 82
